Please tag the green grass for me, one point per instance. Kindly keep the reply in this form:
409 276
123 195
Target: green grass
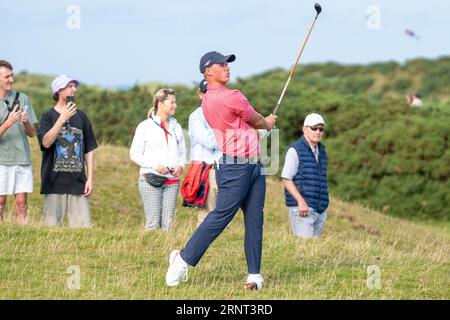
118 260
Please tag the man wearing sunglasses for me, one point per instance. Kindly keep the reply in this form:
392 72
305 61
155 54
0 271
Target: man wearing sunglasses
305 180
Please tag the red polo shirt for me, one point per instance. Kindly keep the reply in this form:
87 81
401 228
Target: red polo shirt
227 112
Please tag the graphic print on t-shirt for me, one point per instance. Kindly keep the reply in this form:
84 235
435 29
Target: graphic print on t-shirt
68 151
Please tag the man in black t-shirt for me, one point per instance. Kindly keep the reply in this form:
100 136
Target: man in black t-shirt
67 142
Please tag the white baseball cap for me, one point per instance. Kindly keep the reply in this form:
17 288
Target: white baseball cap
313 119
60 82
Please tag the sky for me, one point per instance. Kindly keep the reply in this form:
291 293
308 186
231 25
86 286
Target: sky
121 43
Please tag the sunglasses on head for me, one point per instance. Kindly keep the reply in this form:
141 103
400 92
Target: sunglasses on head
321 129
170 170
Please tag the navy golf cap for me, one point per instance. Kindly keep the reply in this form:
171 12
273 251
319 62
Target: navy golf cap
214 57
203 86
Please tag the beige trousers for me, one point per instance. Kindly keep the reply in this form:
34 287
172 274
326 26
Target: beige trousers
76 207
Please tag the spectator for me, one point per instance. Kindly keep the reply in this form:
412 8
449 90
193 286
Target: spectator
204 153
305 180
17 121
158 147
67 142
415 100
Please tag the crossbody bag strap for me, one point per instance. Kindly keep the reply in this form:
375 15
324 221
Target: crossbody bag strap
16 101
164 129
9 109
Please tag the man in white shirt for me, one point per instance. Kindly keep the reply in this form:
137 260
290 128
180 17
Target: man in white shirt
415 100
305 180
204 149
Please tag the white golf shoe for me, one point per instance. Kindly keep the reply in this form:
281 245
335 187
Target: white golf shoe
177 271
254 282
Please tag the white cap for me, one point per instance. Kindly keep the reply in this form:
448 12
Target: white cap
60 82
313 119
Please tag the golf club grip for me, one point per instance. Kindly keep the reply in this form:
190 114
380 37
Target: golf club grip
276 109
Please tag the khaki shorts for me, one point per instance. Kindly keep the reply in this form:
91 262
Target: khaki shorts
76 206
15 179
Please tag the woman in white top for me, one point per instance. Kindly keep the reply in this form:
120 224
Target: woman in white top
158 147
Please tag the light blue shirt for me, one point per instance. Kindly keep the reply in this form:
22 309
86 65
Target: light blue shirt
203 142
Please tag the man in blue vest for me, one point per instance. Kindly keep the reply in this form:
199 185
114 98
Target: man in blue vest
305 180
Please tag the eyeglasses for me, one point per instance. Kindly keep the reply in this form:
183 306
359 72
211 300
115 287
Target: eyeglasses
321 129
170 170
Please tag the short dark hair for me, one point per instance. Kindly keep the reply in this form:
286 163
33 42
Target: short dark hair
6 64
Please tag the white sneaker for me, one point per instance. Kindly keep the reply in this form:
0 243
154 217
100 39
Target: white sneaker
254 282
177 271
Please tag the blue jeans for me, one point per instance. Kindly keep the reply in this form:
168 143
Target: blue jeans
240 186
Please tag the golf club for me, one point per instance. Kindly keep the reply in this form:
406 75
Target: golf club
318 10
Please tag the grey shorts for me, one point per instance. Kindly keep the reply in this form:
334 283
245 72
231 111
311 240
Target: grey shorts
76 207
309 226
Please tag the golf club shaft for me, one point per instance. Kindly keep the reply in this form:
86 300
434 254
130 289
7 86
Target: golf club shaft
294 67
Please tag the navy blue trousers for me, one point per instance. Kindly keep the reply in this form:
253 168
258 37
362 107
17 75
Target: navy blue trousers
240 186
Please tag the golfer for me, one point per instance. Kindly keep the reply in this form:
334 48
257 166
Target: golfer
239 178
